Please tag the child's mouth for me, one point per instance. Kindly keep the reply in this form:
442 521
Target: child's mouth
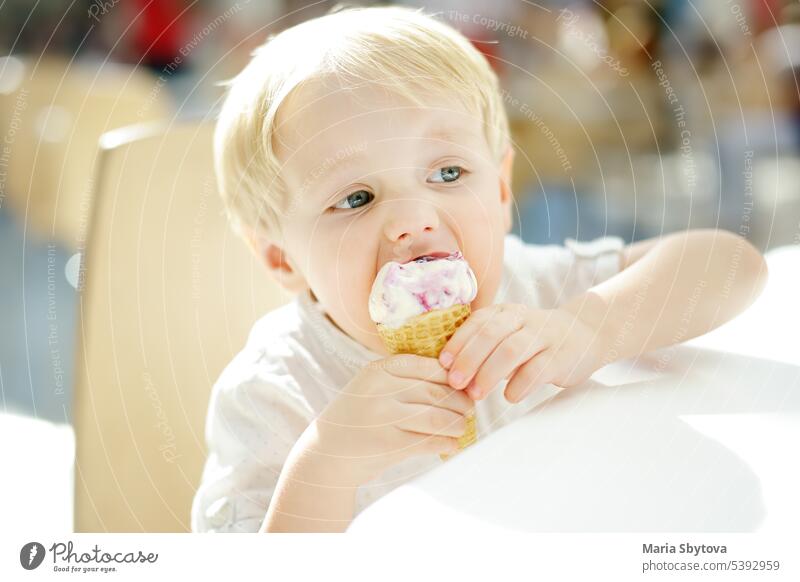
436 255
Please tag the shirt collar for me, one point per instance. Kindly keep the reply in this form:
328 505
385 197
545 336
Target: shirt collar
335 341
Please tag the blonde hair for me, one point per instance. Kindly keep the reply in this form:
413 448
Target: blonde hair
402 48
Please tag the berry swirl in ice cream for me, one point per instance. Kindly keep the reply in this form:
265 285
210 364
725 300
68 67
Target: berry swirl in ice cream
404 290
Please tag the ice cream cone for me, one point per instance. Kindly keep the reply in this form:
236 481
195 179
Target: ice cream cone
425 335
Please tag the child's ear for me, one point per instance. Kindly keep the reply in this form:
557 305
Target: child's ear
506 195
277 262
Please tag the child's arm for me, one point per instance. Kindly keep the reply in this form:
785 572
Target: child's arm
669 290
313 493
672 289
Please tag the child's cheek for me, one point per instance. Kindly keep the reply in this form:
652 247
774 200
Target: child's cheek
353 277
486 260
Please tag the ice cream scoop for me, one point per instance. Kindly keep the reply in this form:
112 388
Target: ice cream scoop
404 290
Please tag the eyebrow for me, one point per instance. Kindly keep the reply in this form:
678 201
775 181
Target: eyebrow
444 133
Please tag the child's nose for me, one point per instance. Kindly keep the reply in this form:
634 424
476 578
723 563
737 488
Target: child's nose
409 219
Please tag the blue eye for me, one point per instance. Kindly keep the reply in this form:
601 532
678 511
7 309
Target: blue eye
448 174
354 200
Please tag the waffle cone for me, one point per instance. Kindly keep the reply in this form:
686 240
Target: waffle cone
425 335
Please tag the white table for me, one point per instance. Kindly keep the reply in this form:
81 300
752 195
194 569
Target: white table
684 439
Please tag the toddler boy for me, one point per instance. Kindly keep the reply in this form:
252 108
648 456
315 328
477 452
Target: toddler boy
378 134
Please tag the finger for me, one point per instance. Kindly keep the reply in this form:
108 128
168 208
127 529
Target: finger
533 373
463 333
482 343
510 312
439 395
431 420
512 352
414 367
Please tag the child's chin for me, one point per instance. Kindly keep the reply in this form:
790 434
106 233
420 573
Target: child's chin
369 338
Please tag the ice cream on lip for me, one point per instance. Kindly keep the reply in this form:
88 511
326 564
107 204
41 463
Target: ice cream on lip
404 290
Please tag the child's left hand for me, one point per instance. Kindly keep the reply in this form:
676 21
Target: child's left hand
528 346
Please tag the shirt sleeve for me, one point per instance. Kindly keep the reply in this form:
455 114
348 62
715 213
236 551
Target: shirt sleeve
560 273
253 421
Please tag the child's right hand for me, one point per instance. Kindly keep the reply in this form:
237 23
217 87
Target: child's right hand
393 409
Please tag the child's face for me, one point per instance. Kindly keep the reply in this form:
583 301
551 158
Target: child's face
371 179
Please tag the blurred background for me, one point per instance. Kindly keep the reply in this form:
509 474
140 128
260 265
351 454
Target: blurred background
630 118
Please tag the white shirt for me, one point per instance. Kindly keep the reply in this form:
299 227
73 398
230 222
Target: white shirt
296 361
